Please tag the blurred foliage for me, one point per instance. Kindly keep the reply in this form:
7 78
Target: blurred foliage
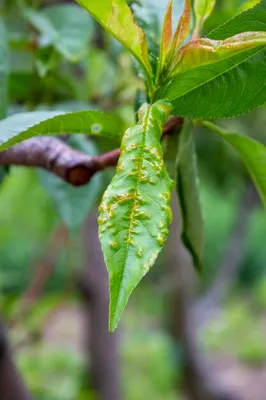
61 60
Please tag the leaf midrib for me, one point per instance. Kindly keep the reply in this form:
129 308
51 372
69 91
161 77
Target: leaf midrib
128 238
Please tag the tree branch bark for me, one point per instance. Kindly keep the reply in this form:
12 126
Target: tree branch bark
58 157
11 385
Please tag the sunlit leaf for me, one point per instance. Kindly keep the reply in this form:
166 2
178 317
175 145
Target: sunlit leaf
116 17
220 74
135 210
250 151
22 126
189 196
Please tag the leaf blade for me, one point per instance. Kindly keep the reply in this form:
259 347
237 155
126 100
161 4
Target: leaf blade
135 211
23 126
228 81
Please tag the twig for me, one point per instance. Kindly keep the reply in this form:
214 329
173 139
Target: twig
71 165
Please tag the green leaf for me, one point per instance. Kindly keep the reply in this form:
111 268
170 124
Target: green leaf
4 68
220 74
66 27
189 195
116 17
73 204
252 20
22 126
252 153
135 211
166 36
182 31
202 10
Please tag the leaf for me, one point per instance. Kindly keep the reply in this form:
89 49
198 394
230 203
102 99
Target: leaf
252 20
116 18
252 153
4 69
202 10
135 211
220 74
180 34
65 26
166 37
183 26
22 126
73 204
189 195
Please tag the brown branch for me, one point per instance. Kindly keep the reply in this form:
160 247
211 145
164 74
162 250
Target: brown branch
71 165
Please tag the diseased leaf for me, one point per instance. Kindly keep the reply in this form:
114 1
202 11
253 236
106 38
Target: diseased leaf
73 204
202 10
66 27
3 69
188 194
135 211
22 126
252 153
116 17
220 75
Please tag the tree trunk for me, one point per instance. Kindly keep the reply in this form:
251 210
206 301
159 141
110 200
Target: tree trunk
208 305
198 380
102 347
11 385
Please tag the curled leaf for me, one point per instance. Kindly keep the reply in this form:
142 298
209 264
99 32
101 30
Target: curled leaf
205 51
135 211
189 195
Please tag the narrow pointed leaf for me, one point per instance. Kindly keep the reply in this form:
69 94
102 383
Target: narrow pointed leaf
22 126
202 10
135 211
116 17
183 26
252 153
220 74
166 38
3 69
189 195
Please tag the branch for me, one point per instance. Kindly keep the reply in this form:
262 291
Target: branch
71 165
